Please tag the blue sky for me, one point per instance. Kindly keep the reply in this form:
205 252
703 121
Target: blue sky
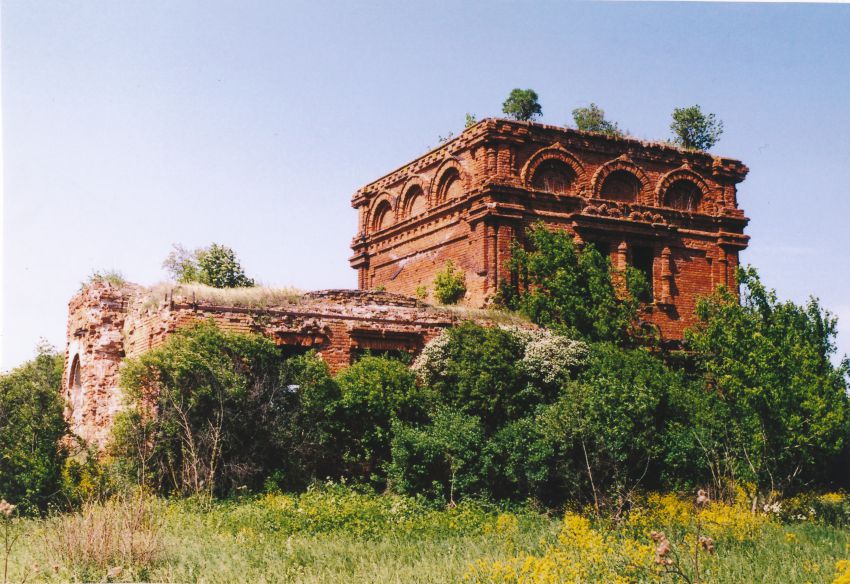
129 126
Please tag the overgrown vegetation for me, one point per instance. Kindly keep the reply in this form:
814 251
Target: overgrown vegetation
522 105
449 284
694 129
592 119
31 426
575 292
215 265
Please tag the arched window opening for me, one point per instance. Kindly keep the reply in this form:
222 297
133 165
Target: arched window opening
553 176
683 195
451 186
75 381
620 185
416 203
383 216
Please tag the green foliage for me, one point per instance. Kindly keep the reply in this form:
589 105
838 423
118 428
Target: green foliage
376 392
216 266
483 438
783 403
113 277
449 284
422 292
522 105
592 119
695 130
470 121
221 404
31 426
441 459
573 291
610 419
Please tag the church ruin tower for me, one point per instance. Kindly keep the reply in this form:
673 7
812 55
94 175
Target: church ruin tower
671 213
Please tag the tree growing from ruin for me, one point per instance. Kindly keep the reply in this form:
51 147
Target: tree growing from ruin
592 119
694 129
215 265
522 105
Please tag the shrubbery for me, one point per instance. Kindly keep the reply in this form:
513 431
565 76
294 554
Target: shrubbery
31 426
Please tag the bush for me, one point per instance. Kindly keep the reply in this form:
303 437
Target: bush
592 119
221 406
376 392
522 105
31 426
449 284
216 266
783 405
573 291
695 130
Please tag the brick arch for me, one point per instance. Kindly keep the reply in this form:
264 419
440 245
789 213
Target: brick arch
681 174
382 204
619 164
555 152
415 186
450 165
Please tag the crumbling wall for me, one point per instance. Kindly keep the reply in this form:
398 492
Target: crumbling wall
95 348
107 323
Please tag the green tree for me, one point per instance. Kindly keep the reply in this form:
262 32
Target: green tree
571 290
442 459
768 365
449 284
694 129
31 426
470 121
375 393
522 105
216 266
592 119
610 420
221 404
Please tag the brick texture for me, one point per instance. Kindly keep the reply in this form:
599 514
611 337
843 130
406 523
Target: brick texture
107 323
468 200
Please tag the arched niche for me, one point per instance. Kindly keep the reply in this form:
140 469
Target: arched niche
554 176
620 185
382 215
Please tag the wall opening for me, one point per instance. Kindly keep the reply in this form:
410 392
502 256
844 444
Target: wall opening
553 176
620 185
451 186
683 195
643 260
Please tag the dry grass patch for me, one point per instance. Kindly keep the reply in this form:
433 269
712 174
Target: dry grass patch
253 297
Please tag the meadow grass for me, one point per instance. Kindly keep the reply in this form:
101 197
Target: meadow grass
338 535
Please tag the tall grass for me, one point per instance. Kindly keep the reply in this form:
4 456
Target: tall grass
336 535
253 297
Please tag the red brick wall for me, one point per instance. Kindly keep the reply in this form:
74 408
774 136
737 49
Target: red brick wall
497 160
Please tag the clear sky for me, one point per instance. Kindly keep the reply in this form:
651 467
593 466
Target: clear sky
129 126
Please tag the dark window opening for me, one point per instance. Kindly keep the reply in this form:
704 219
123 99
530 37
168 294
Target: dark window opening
683 195
603 247
553 176
620 185
643 259
397 354
76 381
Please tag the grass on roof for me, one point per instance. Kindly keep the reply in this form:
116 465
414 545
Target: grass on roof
254 297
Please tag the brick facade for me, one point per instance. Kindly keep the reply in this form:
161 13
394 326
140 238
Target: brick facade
671 212
107 323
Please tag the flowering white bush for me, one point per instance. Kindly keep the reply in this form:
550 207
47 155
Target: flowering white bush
547 356
432 361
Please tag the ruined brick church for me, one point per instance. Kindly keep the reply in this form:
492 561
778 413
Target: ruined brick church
670 213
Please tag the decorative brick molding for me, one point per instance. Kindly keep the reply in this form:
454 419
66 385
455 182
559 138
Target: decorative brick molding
692 249
108 323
